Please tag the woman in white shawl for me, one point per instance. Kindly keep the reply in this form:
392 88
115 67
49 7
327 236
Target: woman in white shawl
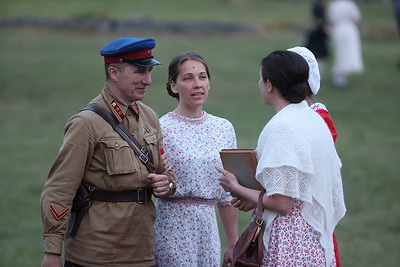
298 167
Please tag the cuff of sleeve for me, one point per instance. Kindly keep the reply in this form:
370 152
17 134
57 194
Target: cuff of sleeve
224 204
172 182
52 243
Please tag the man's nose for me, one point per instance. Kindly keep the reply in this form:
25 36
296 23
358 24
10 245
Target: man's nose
147 79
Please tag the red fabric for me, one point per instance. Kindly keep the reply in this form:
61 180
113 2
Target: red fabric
145 53
328 120
336 248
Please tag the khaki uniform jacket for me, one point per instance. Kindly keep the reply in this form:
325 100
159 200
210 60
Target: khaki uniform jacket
111 234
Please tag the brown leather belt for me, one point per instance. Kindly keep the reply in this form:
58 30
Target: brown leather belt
140 195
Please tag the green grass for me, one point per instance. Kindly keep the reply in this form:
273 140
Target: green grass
48 75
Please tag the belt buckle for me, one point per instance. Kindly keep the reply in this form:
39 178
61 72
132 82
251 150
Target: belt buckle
143 158
141 192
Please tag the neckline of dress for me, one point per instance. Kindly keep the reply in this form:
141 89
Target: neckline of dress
187 119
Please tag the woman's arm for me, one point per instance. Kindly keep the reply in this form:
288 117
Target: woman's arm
277 203
229 219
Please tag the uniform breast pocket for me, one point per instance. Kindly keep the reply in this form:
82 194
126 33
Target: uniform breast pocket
150 140
151 145
120 158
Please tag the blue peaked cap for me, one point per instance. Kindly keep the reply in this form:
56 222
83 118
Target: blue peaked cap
136 51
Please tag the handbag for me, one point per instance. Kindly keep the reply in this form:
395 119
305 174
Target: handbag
249 247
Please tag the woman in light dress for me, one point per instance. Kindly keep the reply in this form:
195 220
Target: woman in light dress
186 225
344 18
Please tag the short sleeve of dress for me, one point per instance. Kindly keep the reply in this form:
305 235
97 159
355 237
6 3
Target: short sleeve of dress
231 143
287 181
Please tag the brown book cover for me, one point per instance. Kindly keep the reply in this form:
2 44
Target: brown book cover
243 164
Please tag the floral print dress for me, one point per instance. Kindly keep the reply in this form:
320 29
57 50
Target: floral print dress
186 225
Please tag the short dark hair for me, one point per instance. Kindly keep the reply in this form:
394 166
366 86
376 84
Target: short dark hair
174 68
288 72
118 66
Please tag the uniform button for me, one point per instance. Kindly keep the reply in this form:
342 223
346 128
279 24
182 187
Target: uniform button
116 145
129 113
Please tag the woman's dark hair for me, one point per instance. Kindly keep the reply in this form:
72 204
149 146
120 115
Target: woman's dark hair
174 68
288 72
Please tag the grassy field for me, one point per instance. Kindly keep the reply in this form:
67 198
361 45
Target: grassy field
46 75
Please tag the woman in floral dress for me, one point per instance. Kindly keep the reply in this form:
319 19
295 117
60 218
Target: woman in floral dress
299 168
186 225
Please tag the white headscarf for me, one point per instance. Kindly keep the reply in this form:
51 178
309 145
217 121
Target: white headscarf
314 79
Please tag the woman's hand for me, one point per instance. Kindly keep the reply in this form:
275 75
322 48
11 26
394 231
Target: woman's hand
242 204
228 180
165 160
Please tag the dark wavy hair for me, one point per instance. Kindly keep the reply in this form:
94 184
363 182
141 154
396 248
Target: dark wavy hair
174 68
288 72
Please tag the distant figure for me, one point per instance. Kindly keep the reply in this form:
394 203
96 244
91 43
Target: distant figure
317 37
344 17
396 4
397 13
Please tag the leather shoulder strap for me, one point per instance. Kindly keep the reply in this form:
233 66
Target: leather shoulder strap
139 150
260 207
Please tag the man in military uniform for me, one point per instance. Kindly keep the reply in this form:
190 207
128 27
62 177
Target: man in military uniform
117 226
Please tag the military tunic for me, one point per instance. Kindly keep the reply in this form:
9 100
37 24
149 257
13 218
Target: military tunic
111 233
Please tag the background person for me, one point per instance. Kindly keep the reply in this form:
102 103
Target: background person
117 229
312 90
344 18
299 168
317 37
314 83
396 6
186 224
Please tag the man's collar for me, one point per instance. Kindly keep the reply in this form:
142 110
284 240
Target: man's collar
119 108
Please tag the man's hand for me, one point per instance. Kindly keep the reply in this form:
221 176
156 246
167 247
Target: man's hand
160 184
51 260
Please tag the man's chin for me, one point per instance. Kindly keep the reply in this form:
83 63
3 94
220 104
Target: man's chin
140 95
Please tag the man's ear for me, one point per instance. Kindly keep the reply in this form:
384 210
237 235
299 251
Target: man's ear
113 73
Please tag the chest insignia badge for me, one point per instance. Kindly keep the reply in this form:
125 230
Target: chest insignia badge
146 129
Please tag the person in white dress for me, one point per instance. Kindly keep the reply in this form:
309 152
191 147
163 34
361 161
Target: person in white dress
344 18
299 168
186 225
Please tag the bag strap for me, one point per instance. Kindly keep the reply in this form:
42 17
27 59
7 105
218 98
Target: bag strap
260 207
141 152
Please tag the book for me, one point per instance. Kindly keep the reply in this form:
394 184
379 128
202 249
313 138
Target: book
243 164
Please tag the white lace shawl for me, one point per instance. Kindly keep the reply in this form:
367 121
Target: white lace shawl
297 158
